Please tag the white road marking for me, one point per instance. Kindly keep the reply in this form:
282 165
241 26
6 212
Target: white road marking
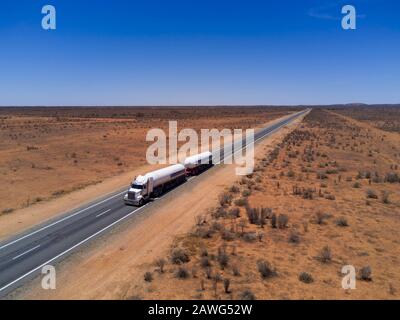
58 221
24 253
100 214
70 249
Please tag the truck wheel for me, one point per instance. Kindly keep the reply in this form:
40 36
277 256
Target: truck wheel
141 202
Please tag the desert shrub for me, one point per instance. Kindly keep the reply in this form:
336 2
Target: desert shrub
225 199
306 277
366 273
160 263
148 277
234 212
356 185
294 237
265 268
250 236
246 193
320 217
219 212
179 256
227 235
209 273
218 277
253 215
205 262
204 232
325 254
227 283
371 194
331 171
29 148
273 221
392 177
222 258
330 197
321 175
182 273
234 189
260 235
266 213
58 193
385 197
376 179
242 224
307 193
241 202
203 252
194 272
236 271
216 226
342 222
283 221
291 174
247 294
7 210
199 220
250 184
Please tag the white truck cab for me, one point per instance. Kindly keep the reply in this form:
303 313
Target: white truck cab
153 184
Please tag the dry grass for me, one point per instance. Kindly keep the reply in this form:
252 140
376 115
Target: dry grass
46 153
317 221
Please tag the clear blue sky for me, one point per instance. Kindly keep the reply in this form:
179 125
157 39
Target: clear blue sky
170 52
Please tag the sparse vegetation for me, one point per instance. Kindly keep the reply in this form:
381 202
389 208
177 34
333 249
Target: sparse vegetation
283 221
225 199
247 295
7 210
371 194
342 222
160 263
148 277
325 255
266 270
179 256
223 258
182 272
294 237
366 273
306 277
315 163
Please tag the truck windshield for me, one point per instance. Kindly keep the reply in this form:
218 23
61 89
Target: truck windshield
137 186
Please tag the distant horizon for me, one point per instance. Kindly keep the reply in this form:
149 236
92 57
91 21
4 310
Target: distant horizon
213 106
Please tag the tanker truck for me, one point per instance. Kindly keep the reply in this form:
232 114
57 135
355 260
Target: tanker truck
198 163
154 183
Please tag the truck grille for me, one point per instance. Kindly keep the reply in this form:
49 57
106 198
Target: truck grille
131 196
